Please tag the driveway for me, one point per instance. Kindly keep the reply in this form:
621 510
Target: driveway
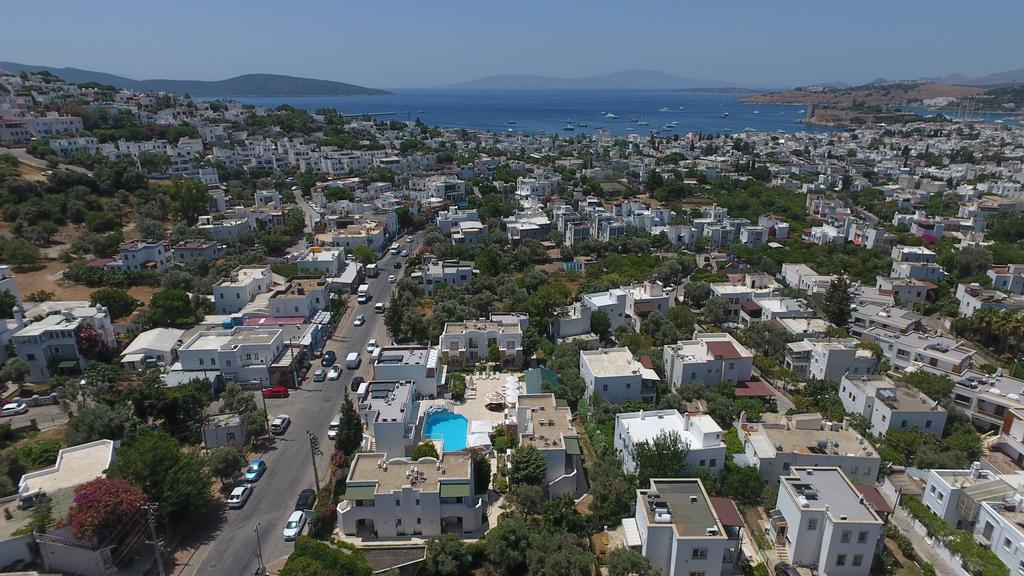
46 417
232 548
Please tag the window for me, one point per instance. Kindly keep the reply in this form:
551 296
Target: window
927 424
417 501
1006 543
941 496
713 462
841 560
398 503
812 523
903 423
846 537
629 385
30 357
701 463
604 388
696 574
862 536
700 554
932 489
419 520
858 559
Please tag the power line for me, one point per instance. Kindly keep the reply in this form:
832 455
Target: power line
150 519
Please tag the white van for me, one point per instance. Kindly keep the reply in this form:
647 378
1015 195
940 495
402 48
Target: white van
378 308
332 428
352 361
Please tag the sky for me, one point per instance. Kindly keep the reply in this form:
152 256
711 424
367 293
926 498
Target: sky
426 43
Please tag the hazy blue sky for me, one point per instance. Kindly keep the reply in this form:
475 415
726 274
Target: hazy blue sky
386 43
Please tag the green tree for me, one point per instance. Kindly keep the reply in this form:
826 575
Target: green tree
118 302
11 471
189 199
177 279
505 547
493 354
95 422
425 450
627 562
225 462
7 304
481 471
314 558
364 254
446 555
527 466
600 324
838 300
742 483
169 309
662 457
178 481
14 370
19 253
350 429
716 310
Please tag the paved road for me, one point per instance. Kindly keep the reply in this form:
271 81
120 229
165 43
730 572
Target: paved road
289 471
922 545
46 417
26 158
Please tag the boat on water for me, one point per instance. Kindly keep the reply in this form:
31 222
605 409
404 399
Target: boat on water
664 109
801 111
634 119
629 130
581 125
644 123
757 111
668 127
724 114
569 128
798 121
680 107
610 115
510 121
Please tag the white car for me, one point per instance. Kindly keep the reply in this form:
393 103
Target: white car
296 522
239 496
392 279
405 253
359 321
14 409
332 428
335 372
409 240
371 345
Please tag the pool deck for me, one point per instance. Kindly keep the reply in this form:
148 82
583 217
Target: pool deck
475 409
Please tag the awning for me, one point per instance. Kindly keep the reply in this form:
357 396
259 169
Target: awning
360 492
67 365
455 490
132 358
632 533
572 446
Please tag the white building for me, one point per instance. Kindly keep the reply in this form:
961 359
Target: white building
322 261
543 424
9 284
829 358
243 354
463 344
390 409
867 315
956 495
889 406
1008 278
537 186
574 320
447 219
190 251
143 255
418 364
156 347
232 294
999 528
300 297
707 359
699 432
391 497
775 447
437 273
824 522
49 346
905 351
644 300
616 376
973 297
803 278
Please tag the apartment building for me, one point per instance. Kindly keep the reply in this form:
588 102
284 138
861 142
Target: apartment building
468 232
574 320
699 432
753 286
890 406
537 186
905 291
973 297
901 253
824 522
300 297
1008 278
803 278
447 219
616 376
463 344
684 532
322 261
531 224
390 409
829 359
956 495
446 273
924 271
753 235
707 359
999 528
867 316
49 345
644 300
232 294
418 364
189 251
142 256
243 354
541 423
389 497
781 443
764 309
226 227
904 351
987 398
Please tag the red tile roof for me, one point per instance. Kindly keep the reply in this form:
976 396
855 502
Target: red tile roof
723 350
753 389
99 262
646 362
726 511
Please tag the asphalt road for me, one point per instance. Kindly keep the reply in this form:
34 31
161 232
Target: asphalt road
289 470
31 160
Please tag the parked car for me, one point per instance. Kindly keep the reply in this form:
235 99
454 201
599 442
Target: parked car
239 496
296 522
280 424
320 375
335 372
275 392
408 240
405 253
359 321
332 428
255 470
371 345
784 569
392 279
356 382
397 265
306 499
329 359
14 409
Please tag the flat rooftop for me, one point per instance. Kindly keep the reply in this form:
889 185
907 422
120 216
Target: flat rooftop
688 504
245 275
406 356
299 286
75 465
468 326
611 362
390 399
549 423
424 475
646 426
829 489
897 396
768 440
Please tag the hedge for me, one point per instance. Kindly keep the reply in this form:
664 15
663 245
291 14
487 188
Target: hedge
975 558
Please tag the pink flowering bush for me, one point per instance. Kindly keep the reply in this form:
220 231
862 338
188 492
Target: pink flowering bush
103 504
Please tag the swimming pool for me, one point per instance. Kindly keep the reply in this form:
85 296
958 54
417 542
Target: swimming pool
448 427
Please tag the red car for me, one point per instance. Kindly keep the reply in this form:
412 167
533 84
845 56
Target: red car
275 392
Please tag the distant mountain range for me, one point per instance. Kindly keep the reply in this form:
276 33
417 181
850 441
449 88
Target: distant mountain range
623 80
995 79
245 85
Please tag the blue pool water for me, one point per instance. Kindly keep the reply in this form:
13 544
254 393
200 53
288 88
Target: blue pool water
448 427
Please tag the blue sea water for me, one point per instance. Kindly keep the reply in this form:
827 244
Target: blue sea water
536 111
448 427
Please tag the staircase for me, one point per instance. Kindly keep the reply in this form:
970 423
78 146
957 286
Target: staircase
780 551
988 440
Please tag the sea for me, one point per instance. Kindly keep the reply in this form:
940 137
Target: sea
619 112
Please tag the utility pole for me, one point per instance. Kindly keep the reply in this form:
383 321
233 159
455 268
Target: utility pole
314 449
259 547
266 414
151 520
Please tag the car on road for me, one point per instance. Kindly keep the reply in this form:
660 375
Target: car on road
306 499
47 173
378 308
239 496
405 253
335 372
254 471
356 382
371 345
397 264
14 409
275 392
330 357
359 321
332 428
409 240
392 279
280 424
320 375
784 569
362 299
292 528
